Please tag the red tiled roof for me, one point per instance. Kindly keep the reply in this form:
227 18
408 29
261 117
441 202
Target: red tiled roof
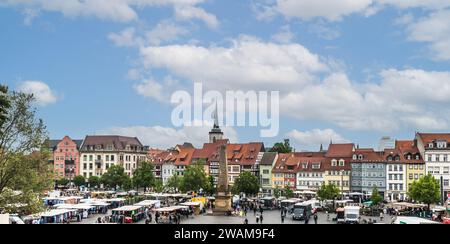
369 155
340 150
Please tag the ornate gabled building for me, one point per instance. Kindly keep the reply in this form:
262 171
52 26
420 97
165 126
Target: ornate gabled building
337 165
368 171
98 153
65 157
435 150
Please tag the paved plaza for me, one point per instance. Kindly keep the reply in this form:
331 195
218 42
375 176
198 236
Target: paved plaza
269 217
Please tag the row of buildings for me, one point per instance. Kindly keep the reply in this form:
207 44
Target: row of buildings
353 169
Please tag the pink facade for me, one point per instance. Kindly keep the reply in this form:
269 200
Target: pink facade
66 159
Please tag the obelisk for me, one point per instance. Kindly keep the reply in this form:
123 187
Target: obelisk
223 197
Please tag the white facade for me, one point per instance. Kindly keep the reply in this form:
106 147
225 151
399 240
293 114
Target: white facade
98 163
310 180
438 164
167 171
396 181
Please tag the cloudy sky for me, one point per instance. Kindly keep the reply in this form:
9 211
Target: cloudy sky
347 70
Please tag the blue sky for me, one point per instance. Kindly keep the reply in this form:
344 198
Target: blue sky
346 70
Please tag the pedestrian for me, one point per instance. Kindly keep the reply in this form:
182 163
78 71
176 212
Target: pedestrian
261 210
381 216
282 218
257 219
306 218
254 211
245 221
315 218
245 212
261 219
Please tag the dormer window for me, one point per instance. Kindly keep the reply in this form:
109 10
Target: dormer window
441 144
389 158
397 158
305 165
430 145
417 156
409 156
341 162
355 156
360 157
334 162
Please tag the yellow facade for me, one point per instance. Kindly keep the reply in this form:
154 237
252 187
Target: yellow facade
277 180
339 179
413 173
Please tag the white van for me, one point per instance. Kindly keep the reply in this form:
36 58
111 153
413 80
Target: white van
351 214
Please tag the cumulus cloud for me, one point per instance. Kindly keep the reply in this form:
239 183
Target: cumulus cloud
40 90
159 91
413 99
313 138
115 10
435 30
246 64
167 137
285 35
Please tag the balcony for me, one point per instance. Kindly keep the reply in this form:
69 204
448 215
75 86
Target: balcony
69 162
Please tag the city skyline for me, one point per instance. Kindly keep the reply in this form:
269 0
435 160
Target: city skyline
347 72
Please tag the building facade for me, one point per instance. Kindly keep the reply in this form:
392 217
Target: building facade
66 157
310 173
368 171
265 171
337 165
435 150
98 153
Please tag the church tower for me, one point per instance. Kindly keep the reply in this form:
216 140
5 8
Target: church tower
216 133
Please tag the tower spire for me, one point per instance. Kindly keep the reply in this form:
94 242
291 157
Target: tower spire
216 117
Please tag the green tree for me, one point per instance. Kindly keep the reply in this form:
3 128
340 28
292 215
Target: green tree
426 190
115 177
143 176
194 178
277 192
79 180
4 104
127 184
175 182
246 183
94 181
63 182
376 198
328 192
288 192
210 188
24 168
282 147
159 186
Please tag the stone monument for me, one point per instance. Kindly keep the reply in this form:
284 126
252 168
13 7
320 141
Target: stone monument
223 196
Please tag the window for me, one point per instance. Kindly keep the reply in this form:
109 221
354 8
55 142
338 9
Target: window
390 167
421 167
84 157
341 162
390 176
430 145
360 157
91 158
85 166
410 166
442 144
112 157
107 158
355 157
416 176
400 168
446 183
400 187
437 170
90 166
446 170
429 158
266 171
334 162
438 158
411 176
416 166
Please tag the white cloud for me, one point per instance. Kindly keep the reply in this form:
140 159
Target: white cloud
190 12
126 38
163 32
285 35
153 89
312 139
167 137
414 99
330 10
435 30
246 64
41 92
115 10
